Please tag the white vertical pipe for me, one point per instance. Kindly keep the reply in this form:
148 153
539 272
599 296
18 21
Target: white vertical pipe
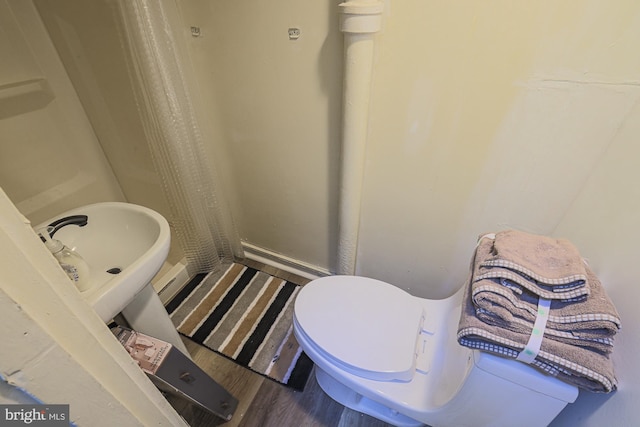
360 20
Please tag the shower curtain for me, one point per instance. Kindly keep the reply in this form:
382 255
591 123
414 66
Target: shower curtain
159 70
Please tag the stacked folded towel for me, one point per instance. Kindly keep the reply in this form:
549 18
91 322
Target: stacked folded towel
511 272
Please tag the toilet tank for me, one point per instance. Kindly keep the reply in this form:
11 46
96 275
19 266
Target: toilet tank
505 392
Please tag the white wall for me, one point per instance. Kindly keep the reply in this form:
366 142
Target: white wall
603 222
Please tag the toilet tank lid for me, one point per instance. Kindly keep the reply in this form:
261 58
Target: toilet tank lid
367 327
525 375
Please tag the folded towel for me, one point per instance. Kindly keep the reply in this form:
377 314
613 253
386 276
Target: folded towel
575 365
550 268
575 292
487 302
591 323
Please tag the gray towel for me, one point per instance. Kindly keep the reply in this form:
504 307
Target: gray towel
550 268
498 309
574 364
590 324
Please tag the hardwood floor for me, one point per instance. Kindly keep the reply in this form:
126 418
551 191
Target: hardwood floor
265 403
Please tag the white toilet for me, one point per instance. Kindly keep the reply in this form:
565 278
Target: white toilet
381 351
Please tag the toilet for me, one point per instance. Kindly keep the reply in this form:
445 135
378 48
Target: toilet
381 351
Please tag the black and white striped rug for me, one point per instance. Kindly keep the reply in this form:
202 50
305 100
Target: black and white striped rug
245 315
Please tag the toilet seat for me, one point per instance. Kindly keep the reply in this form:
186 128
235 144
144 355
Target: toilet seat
370 328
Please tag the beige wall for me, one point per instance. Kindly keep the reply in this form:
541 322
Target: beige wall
50 158
278 102
486 117
498 115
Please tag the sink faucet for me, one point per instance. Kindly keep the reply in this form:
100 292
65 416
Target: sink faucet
79 220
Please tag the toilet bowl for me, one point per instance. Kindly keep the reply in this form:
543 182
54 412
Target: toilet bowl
383 352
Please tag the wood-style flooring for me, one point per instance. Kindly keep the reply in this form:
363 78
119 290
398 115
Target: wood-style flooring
263 402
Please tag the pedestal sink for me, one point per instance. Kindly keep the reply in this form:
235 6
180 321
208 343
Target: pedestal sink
124 245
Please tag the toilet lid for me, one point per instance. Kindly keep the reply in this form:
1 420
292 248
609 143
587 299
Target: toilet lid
365 326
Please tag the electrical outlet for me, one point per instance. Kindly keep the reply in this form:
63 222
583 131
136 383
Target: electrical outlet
294 33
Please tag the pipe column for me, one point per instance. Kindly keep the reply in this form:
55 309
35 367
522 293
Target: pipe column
360 20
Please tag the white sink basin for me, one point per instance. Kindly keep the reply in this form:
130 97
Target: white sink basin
129 240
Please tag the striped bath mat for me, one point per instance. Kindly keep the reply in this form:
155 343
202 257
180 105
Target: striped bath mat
245 315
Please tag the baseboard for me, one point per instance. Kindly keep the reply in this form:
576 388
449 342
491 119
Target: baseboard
176 278
283 262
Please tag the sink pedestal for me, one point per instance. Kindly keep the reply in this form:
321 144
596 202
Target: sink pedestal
146 314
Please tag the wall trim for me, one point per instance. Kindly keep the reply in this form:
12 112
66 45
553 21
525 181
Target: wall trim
175 279
284 262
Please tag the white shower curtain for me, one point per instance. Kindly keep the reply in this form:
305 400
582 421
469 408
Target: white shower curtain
159 70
